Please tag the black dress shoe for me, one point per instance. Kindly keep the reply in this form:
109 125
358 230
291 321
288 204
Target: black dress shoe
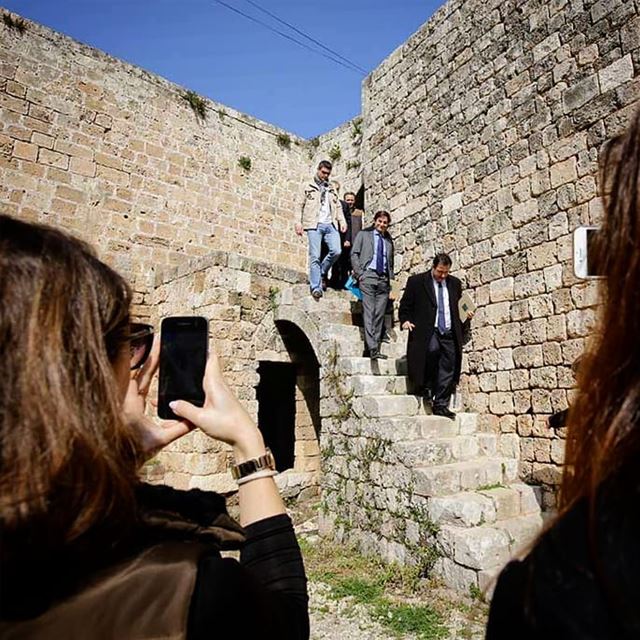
386 337
378 356
444 412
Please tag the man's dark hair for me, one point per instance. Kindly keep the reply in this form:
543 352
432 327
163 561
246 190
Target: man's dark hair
379 214
443 259
349 193
326 164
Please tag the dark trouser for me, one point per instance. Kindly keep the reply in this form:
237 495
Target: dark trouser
375 294
340 269
441 363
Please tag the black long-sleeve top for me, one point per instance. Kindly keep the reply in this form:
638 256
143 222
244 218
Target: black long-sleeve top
262 596
581 579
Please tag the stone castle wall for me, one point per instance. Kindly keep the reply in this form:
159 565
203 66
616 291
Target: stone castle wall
118 156
482 135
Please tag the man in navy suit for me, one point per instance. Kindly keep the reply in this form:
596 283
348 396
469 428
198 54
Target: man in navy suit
429 311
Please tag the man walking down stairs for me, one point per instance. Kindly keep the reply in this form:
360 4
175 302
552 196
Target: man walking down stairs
432 473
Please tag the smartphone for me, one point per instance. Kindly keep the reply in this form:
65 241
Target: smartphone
583 260
183 357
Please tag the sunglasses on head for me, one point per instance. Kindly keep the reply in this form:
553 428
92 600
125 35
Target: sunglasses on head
140 343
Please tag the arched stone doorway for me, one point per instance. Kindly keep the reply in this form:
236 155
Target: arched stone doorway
288 397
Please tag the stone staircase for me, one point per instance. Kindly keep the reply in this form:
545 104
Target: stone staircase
456 483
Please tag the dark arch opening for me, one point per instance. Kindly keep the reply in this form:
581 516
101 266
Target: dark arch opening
276 394
288 395
360 199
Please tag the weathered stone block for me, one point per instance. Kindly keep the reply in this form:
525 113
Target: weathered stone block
581 93
529 284
466 509
53 159
478 548
501 403
25 151
501 289
615 74
507 335
529 356
563 172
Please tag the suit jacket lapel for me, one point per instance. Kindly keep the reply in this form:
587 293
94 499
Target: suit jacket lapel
428 283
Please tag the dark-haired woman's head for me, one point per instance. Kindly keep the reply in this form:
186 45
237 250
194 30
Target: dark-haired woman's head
604 421
66 458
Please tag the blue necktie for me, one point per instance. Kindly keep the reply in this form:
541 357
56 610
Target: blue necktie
442 325
380 256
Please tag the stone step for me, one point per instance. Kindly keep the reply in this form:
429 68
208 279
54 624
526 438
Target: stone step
346 318
521 530
402 404
355 348
484 506
445 450
386 405
394 349
350 341
488 547
419 427
392 366
447 479
369 385
301 297
356 332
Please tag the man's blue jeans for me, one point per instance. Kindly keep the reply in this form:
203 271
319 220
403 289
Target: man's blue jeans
331 237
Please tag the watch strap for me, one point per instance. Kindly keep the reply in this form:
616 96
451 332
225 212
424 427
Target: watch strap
261 463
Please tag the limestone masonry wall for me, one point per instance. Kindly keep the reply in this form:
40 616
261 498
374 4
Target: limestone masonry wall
482 134
117 155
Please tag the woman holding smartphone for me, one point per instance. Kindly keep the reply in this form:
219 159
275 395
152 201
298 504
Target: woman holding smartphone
86 550
580 579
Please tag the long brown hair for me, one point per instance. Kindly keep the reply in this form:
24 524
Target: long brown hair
604 420
67 461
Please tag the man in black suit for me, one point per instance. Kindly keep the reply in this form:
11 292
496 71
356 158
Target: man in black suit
429 311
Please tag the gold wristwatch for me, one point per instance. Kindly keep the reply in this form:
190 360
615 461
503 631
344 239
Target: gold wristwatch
246 468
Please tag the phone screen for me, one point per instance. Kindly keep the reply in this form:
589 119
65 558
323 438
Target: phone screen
183 358
585 240
592 235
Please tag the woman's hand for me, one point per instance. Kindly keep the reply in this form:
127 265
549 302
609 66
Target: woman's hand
222 417
153 436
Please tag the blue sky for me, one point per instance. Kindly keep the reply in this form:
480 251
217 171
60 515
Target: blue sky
212 50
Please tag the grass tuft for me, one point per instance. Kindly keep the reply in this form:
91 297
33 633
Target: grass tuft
245 163
14 23
284 140
197 104
488 487
335 153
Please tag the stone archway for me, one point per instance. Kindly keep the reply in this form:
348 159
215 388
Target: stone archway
285 344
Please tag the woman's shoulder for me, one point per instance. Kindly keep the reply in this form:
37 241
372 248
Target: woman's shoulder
581 574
